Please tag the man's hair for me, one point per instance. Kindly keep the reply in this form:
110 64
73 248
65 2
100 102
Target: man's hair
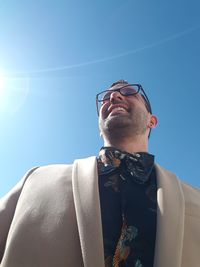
119 81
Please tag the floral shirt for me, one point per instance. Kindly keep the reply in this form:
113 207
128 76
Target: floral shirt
127 187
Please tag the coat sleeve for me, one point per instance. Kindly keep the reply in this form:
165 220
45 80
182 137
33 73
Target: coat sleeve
7 210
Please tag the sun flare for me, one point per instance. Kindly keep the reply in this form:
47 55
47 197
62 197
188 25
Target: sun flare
13 93
2 85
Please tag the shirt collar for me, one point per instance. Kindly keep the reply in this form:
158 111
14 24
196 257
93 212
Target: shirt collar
138 165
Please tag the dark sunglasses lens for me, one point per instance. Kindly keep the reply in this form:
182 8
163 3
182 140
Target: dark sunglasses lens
126 90
105 96
129 90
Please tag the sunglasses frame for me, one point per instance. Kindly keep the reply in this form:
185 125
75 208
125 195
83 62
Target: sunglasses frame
139 86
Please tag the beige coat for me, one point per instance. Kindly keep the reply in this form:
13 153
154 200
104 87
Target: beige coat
52 219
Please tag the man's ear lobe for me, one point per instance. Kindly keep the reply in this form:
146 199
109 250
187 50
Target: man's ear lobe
153 122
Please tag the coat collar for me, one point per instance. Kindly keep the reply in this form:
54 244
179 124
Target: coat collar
170 215
87 206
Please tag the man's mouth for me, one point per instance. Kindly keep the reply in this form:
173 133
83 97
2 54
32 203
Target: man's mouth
117 110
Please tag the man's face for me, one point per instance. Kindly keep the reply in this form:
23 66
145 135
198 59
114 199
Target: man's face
125 115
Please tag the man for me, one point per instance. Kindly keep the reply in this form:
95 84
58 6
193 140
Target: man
120 209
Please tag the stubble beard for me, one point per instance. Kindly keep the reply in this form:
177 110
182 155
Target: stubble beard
121 126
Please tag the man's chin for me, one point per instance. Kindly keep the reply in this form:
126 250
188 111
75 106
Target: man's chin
115 122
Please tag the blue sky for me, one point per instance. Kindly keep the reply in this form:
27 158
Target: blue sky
55 56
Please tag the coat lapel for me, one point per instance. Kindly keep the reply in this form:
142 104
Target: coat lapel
170 215
87 206
170 220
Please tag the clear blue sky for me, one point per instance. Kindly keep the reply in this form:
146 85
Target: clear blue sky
56 55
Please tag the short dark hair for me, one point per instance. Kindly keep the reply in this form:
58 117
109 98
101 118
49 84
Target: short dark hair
119 81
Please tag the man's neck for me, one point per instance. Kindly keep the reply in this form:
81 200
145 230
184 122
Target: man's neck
130 146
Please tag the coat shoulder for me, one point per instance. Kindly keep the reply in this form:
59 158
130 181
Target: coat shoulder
53 169
192 199
190 193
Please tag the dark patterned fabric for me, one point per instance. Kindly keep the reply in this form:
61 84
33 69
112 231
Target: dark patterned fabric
127 187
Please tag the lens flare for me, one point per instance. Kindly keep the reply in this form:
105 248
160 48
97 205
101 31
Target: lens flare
13 93
2 85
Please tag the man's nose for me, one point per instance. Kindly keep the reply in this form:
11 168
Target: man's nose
115 95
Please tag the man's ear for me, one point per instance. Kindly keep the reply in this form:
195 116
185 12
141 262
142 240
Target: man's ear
153 122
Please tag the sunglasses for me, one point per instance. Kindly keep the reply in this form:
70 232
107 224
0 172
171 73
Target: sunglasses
125 90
